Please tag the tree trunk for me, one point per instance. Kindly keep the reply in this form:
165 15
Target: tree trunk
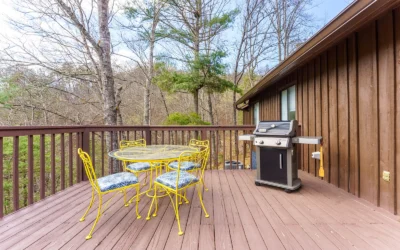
234 108
196 101
146 116
109 104
164 102
210 108
109 107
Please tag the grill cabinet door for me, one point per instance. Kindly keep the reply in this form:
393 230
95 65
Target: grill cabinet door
273 165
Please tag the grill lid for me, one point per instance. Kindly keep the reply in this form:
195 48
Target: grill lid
276 128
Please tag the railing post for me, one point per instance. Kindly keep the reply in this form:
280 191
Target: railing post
85 148
147 136
203 134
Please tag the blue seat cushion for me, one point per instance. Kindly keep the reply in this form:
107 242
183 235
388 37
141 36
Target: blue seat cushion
185 165
117 180
169 179
139 166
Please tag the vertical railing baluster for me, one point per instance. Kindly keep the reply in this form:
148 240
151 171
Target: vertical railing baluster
110 161
53 163
42 167
78 170
16 173
93 151
1 179
62 145
244 150
70 160
30 169
211 149
102 153
127 135
223 140
236 137
169 137
162 137
217 146
230 148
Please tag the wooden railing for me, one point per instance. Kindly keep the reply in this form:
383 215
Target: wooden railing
36 162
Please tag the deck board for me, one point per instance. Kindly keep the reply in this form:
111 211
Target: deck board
242 216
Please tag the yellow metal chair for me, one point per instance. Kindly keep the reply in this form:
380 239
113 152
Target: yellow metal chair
193 167
176 183
118 182
136 167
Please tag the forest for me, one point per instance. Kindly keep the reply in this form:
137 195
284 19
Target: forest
127 62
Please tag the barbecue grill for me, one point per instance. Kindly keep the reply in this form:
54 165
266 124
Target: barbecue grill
276 150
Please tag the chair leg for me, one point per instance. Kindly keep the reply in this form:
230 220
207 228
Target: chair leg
152 202
145 178
156 201
137 202
97 218
180 232
90 206
180 198
201 201
204 185
175 206
184 197
126 203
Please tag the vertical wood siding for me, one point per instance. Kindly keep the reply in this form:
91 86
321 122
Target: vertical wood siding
350 95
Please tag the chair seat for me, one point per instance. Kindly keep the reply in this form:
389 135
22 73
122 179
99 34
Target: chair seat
117 180
139 166
185 165
169 179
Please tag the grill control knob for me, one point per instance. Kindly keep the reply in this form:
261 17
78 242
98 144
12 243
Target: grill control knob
261 142
278 143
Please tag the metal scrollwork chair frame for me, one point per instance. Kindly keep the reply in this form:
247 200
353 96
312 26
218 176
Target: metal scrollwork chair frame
87 163
175 186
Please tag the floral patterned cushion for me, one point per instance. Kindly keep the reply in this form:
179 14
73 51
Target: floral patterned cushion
185 165
117 180
169 179
138 166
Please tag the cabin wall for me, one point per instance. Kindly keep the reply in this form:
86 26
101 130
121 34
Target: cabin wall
350 95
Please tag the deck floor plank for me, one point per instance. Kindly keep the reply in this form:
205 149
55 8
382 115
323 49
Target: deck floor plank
238 236
222 234
251 230
242 216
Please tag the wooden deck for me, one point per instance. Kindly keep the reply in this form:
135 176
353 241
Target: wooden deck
242 216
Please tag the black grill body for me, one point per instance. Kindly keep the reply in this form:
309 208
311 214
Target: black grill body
276 154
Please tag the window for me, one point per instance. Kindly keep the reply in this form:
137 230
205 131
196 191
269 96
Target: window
288 103
256 113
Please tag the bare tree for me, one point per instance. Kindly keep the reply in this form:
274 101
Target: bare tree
253 44
72 35
144 19
57 32
290 20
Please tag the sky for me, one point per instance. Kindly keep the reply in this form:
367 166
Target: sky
323 11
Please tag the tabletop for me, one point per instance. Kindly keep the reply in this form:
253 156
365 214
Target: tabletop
151 153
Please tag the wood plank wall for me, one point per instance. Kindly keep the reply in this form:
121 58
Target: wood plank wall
350 94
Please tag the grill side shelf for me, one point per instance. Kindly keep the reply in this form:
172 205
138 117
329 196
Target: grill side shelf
307 140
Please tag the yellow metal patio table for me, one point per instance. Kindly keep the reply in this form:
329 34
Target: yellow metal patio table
156 155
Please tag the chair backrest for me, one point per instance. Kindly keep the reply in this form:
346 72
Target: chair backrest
198 143
204 148
137 143
184 157
199 157
87 163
